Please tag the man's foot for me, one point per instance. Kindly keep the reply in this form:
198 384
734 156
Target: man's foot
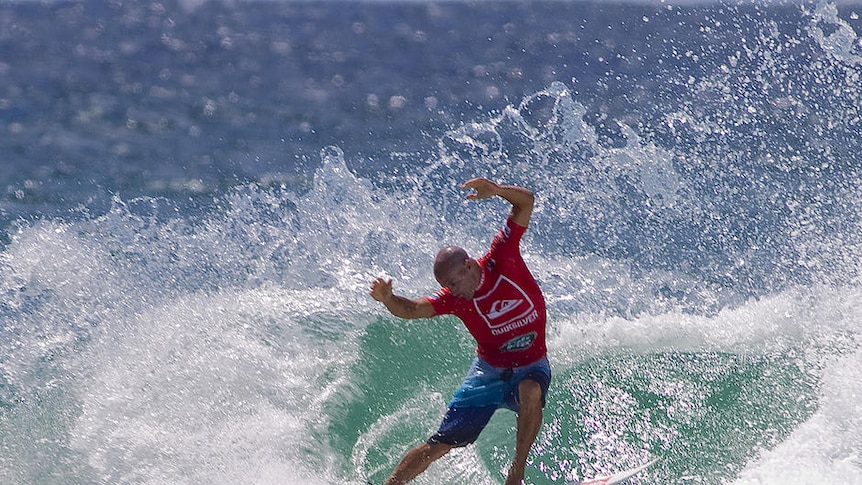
516 477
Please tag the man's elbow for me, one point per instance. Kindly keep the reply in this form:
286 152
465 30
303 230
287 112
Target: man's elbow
526 198
421 309
526 202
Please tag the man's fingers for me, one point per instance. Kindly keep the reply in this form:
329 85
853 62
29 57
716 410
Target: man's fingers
483 187
470 183
380 283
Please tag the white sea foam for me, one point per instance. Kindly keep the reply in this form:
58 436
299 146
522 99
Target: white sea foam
116 376
826 448
223 388
825 322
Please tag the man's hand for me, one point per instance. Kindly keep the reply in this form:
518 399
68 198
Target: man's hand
484 188
381 290
521 199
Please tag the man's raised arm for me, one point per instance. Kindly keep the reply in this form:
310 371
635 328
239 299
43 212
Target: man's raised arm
381 290
521 199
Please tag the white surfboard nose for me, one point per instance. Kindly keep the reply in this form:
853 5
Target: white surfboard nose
615 478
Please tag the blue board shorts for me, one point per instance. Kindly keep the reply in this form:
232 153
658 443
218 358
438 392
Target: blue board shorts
485 390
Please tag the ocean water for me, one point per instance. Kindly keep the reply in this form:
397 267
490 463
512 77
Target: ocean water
195 196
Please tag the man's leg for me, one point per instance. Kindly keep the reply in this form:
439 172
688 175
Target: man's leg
416 461
529 423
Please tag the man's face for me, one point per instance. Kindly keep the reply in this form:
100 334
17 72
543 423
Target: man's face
462 279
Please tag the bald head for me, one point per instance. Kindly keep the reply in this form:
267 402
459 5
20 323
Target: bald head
455 270
449 258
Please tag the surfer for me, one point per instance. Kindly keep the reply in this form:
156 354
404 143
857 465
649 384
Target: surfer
502 306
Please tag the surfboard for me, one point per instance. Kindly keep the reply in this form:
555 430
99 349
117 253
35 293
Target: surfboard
606 480
615 478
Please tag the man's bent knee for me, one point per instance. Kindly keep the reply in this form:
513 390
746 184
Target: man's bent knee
529 391
433 451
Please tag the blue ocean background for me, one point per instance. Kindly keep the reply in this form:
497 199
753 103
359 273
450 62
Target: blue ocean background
195 196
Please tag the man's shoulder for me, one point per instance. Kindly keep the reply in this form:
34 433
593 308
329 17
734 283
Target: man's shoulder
508 238
512 228
439 294
443 301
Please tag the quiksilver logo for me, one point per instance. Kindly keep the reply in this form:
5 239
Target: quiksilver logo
504 304
501 307
520 342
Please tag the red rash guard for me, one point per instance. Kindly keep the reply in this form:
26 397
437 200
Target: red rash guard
507 313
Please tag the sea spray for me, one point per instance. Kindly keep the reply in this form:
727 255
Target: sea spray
178 306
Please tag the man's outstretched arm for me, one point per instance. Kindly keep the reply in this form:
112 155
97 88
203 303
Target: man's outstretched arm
381 290
521 199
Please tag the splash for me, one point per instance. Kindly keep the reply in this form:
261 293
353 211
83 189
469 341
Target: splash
698 271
